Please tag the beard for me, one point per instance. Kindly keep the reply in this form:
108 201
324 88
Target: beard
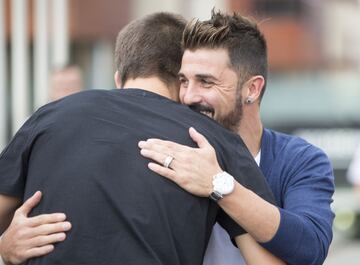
231 121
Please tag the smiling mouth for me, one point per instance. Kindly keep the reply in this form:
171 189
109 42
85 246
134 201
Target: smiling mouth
210 114
203 109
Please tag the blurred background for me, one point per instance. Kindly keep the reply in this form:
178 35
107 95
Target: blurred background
51 48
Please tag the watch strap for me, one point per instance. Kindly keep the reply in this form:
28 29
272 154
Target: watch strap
216 196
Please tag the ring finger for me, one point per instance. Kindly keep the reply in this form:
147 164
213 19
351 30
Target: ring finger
158 157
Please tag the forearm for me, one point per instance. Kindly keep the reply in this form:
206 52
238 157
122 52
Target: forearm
255 254
258 217
291 236
2 262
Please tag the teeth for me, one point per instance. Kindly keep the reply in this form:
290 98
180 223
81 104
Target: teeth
207 113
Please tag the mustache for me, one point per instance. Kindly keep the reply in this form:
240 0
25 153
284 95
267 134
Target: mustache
199 107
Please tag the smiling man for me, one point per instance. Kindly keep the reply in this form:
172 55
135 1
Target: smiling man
223 75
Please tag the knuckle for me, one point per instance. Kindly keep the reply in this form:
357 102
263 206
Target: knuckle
162 171
39 241
46 249
42 219
41 251
59 227
150 142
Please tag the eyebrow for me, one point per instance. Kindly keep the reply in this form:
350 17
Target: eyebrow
200 76
206 76
180 75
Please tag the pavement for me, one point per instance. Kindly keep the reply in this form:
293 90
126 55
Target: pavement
345 249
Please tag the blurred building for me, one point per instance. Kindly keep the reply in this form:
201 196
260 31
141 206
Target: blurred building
314 83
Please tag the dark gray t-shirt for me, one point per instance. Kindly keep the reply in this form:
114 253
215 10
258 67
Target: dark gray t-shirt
82 153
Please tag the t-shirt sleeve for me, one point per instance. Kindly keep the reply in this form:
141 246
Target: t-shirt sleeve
14 161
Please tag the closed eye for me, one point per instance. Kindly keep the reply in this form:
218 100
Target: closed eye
183 81
206 83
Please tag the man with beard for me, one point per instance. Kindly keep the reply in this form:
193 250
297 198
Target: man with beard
223 75
82 153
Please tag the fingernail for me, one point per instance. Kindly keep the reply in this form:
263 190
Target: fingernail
50 247
61 216
141 144
151 166
62 236
66 225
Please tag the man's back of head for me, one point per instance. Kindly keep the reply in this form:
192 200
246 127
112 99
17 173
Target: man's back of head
150 47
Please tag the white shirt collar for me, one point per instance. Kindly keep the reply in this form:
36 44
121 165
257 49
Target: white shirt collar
258 157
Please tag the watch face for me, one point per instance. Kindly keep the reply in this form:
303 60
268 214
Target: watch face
223 183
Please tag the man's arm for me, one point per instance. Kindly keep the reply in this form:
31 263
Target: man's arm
298 233
254 254
261 222
193 169
28 237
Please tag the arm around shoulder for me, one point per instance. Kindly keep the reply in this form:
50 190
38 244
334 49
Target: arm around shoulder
257 216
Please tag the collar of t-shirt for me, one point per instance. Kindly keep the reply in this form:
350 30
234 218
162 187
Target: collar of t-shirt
257 158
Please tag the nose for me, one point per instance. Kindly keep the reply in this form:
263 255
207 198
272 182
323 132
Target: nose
190 94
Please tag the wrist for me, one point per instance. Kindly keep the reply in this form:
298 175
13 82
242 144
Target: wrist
223 184
2 260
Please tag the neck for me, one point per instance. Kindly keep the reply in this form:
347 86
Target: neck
155 85
251 129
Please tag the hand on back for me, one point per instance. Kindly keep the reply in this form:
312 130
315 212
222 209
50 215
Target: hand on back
28 237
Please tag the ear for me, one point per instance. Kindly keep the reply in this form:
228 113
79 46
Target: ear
254 87
117 79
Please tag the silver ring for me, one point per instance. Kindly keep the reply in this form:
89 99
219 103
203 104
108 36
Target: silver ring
168 161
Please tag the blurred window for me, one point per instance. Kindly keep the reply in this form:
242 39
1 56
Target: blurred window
279 7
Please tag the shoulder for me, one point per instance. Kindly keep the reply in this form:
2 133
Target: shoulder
66 110
289 146
77 101
297 157
86 96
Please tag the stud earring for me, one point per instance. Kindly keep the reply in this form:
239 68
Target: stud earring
249 100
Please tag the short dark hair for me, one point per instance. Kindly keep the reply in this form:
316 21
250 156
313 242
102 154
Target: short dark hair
239 35
150 46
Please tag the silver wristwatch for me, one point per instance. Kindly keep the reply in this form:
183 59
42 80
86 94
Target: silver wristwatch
223 184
